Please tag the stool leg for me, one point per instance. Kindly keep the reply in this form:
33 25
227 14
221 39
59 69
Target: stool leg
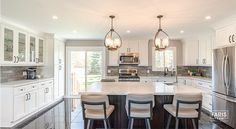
91 124
176 123
88 124
185 124
105 124
108 123
147 122
132 123
194 124
168 122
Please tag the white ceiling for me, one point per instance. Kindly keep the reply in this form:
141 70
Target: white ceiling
90 17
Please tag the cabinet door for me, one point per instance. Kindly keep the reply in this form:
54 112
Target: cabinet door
21 47
8 45
143 52
19 108
113 58
49 94
41 98
31 104
224 36
209 52
133 46
61 81
40 51
202 51
32 49
124 47
191 46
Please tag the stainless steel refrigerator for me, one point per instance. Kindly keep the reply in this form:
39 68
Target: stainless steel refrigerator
224 88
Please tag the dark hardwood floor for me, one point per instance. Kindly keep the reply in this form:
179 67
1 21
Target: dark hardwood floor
67 115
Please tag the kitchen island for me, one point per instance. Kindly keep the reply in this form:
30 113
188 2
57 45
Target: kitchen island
117 92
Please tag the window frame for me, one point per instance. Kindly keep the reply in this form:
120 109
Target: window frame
154 68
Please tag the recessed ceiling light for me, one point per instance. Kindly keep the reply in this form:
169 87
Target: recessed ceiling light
128 31
74 31
54 17
182 31
208 17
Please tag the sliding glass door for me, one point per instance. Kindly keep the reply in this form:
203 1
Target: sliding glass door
85 66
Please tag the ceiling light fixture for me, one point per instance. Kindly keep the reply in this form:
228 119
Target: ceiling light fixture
112 40
161 40
54 17
208 17
182 31
128 31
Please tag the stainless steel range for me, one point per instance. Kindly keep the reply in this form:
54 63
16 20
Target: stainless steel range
129 75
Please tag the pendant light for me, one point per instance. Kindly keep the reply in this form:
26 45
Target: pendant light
161 40
112 39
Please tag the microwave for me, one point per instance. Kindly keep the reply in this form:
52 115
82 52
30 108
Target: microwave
129 58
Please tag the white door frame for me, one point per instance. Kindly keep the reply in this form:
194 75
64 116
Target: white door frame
68 67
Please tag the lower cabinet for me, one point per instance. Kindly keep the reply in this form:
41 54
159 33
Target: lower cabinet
204 86
21 101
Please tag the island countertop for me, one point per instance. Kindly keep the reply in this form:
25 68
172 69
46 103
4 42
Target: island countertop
125 88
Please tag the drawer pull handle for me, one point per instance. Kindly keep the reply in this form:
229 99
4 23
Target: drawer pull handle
21 89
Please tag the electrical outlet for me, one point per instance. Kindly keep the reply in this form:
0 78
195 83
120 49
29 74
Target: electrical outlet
148 71
108 71
24 73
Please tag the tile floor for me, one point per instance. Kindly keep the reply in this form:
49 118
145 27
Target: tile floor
67 115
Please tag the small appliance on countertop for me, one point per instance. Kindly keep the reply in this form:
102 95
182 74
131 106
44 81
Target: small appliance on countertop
129 75
31 73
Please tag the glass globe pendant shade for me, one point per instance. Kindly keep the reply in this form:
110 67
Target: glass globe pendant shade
161 40
112 40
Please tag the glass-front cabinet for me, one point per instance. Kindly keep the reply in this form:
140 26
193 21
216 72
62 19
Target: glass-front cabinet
40 50
20 48
8 45
32 49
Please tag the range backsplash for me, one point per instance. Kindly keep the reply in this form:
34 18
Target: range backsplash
142 70
14 73
203 71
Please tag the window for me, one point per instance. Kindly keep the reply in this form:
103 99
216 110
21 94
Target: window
162 59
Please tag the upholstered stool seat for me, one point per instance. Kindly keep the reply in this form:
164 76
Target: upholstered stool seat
184 106
139 106
96 107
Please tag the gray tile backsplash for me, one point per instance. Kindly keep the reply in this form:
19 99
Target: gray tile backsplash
203 71
14 73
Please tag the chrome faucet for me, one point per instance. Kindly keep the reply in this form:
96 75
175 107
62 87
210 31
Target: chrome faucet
166 71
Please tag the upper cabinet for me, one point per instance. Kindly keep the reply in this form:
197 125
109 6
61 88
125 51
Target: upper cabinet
225 36
198 52
129 46
143 52
18 47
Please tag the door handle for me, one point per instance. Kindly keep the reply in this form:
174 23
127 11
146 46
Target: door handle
14 59
223 70
29 96
230 38
228 73
233 38
26 97
17 59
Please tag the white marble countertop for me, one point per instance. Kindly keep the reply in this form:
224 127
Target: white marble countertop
197 77
124 88
23 82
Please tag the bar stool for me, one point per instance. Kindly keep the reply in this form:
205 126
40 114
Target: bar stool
139 106
96 107
184 106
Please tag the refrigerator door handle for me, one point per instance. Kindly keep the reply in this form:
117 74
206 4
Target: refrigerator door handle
228 69
223 70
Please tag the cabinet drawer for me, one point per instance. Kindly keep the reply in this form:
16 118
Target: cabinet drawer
20 90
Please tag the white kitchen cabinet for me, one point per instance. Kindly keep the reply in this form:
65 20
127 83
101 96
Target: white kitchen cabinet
143 52
22 98
59 69
191 52
113 58
129 46
225 36
18 47
205 50
19 110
